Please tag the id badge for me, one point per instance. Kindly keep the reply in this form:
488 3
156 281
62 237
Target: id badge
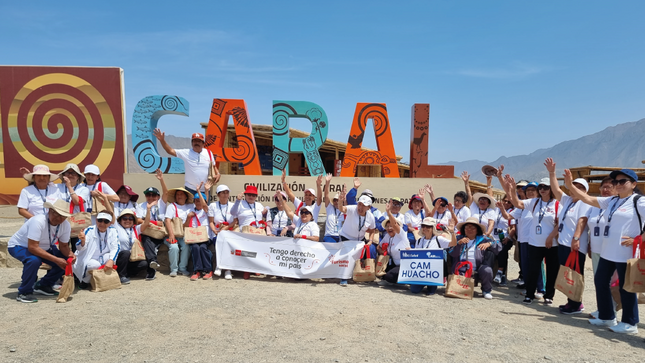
606 231
538 229
497 231
596 231
560 227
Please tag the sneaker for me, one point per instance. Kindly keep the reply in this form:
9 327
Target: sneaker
154 265
83 286
26 298
151 276
595 314
247 275
45 290
527 300
521 286
184 272
599 322
343 283
217 272
548 302
518 281
563 306
125 281
195 276
624 328
504 281
488 296
498 277
539 295
173 274
383 283
568 310
57 286
228 275
208 276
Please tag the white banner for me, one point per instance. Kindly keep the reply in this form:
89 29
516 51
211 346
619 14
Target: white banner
421 267
285 256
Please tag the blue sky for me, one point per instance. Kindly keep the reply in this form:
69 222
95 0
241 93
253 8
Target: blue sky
501 77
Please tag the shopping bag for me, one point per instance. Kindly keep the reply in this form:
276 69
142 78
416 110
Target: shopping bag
570 281
364 268
197 234
382 261
177 224
156 230
461 287
516 251
79 221
98 204
104 280
635 273
255 228
68 283
137 252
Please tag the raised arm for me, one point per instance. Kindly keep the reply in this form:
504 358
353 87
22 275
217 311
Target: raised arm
71 191
319 196
500 178
503 211
201 198
555 187
512 194
287 209
286 188
350 196
422 194
466 178
326 189
164 187
489 185
577 194
146 221
161 136
393 221
341 200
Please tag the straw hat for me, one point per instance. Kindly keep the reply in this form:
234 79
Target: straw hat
399 221
472 220
75 168
40 170
60 206
489 170
172 192
478 196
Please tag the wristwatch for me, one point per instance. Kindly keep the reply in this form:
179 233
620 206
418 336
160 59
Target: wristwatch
576 238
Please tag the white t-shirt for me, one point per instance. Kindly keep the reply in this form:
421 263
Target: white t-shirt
569 223
196 166
199 215
80 190
32 199
595 220
434 243
99 186
350 229
443 218
624 222
334 220
38 229
297 202
175 210
548 213
462 214
524 218
119 207
309 229
500 224
247 213
396 244
157 213
220 213
412 219
127 236
279 221
469 255
482 215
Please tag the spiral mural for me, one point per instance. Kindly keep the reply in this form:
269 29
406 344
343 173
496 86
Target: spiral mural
385 156
283 144
60 115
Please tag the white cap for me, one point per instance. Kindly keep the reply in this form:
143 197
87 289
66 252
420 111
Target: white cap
104 216
582 182
221 188
310 190
545 181
92 169
367 201
308 208
336 196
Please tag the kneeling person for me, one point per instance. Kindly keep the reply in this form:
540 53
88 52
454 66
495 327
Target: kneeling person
98 246
128 233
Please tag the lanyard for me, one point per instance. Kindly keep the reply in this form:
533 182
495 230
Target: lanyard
463 256
49 234
600 213
252 210
153 211
429 242
69 196
389 246
360 226
41 195
93 186
101 246
543 211
571 205
121 208
336 216
457 211
615 208
499 218
279 215
219 205
130 235
481 214
442 215
302 226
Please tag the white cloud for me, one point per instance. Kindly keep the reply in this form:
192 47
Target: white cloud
516 71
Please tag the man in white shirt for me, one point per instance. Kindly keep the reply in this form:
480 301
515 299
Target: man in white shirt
198 161
35 244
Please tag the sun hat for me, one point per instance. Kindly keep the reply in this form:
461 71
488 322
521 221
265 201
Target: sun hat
522 183
630 173
251 189
151 190
472 220
529 185
412 199
60 206
92 169
369 193
489 170
126 212
429 221
40 170
312 191
478 196
365 200
221 188
133 196
582 182
173 191
104 215
440 198
399 221
397 200
198 136
74 168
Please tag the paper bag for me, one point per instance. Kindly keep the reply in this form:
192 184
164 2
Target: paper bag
137 252
635 273
461 287
79 221
104 280
197 234
364 268
569 281
382 261
155 230
68 283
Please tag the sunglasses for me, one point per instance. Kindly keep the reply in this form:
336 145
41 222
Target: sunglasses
543 187
127 218
444 204
104 221
304 212
277 199
397 205
620 182
251 195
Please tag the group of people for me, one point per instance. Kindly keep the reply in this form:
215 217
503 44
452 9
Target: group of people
543 222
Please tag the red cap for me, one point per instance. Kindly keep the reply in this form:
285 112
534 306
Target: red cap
198 136
133 196
251 189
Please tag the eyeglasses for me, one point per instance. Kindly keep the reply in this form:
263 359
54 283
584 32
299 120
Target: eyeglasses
251 195
543 187
620 182
127 218
104 221
397 205
506 201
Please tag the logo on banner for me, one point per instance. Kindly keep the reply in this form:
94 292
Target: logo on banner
244 253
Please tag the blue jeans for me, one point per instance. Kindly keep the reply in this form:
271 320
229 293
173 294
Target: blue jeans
563 254
202 257
524 266
178 254
604 300
31 264
328 238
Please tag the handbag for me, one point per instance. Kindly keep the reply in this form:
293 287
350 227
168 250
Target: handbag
79 221
155 230
364 268
461 287
137 252
98 204
197 234
68 283
104 280
635 273
382 261
259 228
177 224
570 281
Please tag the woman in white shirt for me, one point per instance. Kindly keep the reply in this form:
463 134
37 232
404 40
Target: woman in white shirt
220 219
304 225
249 213
180 203
96 187
278 222
40 190
543 234
98 246
128 233
394 241
623 222
335 217
202 256
433 240
418 209
127 199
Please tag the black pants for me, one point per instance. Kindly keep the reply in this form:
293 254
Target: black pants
552 263
563 254
72 243
150 246
126 268
502 256
392 274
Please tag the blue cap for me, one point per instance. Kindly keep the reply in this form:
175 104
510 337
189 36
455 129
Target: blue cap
440 198
197 195
630 173
531 184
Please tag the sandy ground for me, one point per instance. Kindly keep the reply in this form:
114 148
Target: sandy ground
269 320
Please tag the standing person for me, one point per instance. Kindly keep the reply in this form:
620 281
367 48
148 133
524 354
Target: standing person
623 222
221 219
278 222
35 244
153 210
460 210
248 212
350 199
572 229
98 246
72 188
198 161
313 197
180 204
97 188
202 256
127 233
40 190
543 234
127 200
501 233
335 217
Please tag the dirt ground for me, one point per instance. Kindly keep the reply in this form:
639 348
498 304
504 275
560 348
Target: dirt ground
269 320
